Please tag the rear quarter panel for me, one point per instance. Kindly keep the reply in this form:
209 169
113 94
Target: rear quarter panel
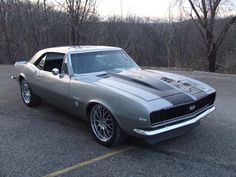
27 71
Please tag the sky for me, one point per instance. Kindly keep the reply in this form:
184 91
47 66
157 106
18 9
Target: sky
151 8
141 8
145 8
155 9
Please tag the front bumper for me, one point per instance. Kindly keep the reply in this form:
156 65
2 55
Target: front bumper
185 125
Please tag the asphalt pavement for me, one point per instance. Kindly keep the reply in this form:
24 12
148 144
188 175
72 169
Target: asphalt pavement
45 141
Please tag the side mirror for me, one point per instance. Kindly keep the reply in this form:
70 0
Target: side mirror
55 71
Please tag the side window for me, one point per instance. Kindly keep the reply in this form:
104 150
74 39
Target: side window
53 60
41 63
48 61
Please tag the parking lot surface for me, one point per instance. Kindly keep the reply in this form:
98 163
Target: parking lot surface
45 141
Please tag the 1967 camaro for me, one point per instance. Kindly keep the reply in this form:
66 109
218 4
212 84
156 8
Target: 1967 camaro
106 87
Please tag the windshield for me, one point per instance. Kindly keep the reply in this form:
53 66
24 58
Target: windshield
101 61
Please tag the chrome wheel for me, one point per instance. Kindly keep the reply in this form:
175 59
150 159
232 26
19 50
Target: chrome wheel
25 91
102 123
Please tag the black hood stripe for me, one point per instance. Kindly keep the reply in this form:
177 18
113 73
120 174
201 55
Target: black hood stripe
152 85
179 99
148 82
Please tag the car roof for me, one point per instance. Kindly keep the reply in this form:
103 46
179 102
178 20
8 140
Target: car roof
79 49
73 49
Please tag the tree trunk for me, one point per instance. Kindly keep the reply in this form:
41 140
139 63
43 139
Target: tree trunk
211 51
212 61
72 35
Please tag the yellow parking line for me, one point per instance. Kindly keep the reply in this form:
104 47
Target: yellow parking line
82 164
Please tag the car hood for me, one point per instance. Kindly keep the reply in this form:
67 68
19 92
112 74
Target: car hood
150 84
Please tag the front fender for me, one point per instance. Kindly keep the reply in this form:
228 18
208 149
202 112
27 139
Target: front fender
128 110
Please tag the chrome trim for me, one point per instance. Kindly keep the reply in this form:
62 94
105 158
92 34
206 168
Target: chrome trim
175 126
181 118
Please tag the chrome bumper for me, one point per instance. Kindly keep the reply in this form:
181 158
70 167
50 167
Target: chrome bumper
175 126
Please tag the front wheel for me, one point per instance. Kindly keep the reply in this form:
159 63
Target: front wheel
28 97
104 127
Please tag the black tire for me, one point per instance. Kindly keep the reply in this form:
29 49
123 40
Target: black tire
117 137
31 100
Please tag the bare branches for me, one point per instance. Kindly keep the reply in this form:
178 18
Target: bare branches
78 11
199 28
216 5
206 13
224 31
27 26
196 13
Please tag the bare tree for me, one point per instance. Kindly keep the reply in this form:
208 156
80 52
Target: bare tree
204 17
27 26
79 11
4 10
10 44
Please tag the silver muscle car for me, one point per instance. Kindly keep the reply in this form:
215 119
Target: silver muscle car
106 87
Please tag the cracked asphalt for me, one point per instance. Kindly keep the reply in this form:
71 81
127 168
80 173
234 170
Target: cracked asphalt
38 141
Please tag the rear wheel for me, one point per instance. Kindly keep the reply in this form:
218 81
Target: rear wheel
104 127
28 97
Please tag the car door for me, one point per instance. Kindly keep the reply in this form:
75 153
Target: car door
54 88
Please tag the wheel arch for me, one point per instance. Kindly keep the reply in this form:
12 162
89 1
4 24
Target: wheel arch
21 77
94 102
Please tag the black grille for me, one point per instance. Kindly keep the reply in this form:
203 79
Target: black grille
178 111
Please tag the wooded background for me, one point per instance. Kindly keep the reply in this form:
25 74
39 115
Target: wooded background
28 26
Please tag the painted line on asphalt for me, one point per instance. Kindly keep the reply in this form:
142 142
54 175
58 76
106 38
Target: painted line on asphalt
88 162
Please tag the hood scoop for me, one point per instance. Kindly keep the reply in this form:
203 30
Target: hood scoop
148 85
186 87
